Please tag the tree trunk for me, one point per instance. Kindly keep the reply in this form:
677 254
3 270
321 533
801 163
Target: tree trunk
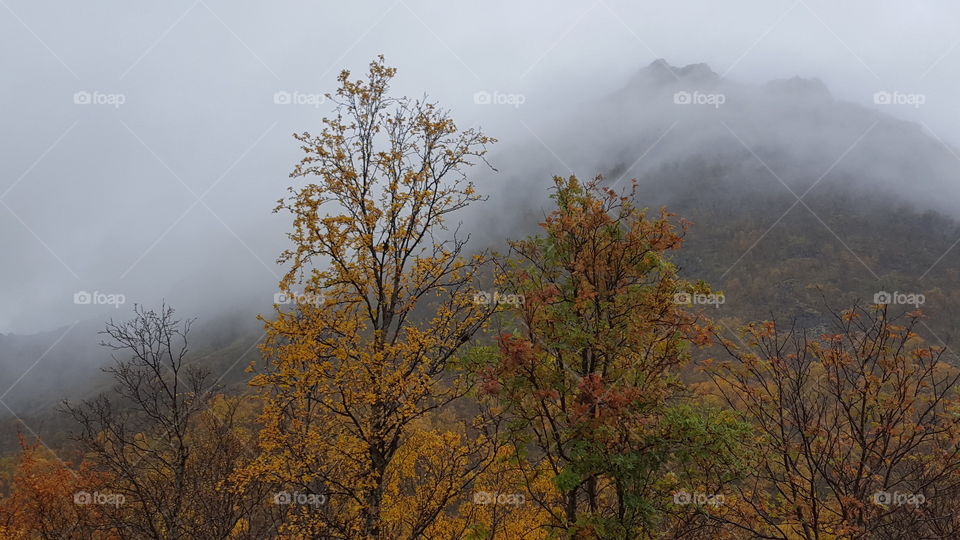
571 510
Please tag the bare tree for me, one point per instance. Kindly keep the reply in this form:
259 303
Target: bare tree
168 453
857 429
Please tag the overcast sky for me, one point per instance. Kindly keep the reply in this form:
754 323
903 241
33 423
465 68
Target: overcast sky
145 143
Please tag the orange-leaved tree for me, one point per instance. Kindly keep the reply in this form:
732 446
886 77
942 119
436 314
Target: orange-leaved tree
383 293
49 499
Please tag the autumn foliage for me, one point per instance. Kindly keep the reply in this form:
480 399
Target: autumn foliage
364 356
419 387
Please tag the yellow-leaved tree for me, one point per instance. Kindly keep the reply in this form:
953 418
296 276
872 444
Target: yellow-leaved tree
383 304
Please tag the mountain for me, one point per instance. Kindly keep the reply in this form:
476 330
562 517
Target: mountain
798 201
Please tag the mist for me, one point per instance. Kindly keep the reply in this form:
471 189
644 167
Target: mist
147 144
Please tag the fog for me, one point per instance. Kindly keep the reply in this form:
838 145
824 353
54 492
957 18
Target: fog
146 144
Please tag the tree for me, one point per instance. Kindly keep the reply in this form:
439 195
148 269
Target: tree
856 430
589 376
44 498
386 304
166 450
